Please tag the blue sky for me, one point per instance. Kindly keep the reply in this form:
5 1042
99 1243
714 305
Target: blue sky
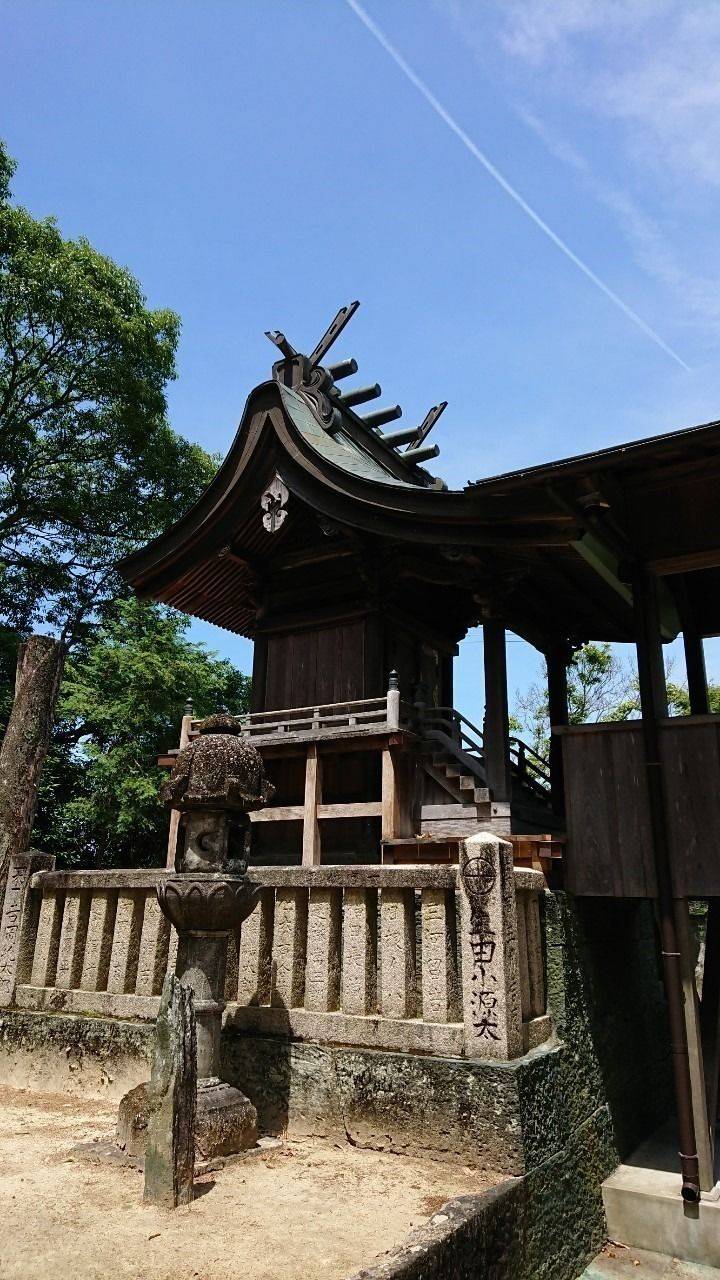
256 163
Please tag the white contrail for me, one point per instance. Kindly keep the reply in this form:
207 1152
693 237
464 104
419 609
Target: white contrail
507 187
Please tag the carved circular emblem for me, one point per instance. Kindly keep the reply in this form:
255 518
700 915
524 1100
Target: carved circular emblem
478 876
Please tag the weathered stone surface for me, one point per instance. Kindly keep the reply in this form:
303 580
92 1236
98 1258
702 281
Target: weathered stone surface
469 1237
132 1120
225 1121
13 927
440 994
170 1152
64 1053
218 770
492 1002
397 943
359 975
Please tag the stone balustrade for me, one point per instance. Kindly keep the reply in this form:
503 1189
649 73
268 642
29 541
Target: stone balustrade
428 959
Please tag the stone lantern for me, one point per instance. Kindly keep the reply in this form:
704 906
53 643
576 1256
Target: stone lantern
217 780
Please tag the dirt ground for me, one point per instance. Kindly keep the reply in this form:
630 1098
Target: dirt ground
306 1209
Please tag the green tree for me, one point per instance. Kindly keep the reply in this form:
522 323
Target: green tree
89 467
120 704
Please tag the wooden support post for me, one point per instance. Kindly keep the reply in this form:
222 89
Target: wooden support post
557 658
497 723
397 794
694 651
175 813
311 852
696 674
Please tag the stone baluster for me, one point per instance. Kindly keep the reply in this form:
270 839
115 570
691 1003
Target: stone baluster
289 948
154 942
359 949
47 942
256 944
439 956
322 973
492 1010
125 951
536 967
397 946
72 939
98 943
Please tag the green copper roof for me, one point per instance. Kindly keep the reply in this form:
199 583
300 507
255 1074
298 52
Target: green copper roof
337 447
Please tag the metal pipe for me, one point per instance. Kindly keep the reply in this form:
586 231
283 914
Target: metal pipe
358 395
653 702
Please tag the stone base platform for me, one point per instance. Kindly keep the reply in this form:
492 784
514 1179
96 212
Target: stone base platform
645 1210
225 1120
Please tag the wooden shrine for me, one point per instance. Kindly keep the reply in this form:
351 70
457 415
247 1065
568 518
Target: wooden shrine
356 572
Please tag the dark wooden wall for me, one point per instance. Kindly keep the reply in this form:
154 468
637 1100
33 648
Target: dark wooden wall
609 852
336 663
347 660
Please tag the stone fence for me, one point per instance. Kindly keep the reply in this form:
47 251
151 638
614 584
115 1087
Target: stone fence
427 959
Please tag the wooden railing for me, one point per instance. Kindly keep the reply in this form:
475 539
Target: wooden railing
331 719
374 956
530 768
372 722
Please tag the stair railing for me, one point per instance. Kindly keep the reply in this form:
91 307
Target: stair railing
529 767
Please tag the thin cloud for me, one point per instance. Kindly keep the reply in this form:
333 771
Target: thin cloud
651 250
506 186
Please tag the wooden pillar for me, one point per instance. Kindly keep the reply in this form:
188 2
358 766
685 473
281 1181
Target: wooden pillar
557 658
653 702
313 796
497 723
175 813
694 655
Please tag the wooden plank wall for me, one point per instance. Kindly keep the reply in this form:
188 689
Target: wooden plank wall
609 852
316 666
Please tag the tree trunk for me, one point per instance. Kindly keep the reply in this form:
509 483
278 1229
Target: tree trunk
37 683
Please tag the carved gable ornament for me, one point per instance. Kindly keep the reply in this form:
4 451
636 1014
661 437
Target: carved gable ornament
274 503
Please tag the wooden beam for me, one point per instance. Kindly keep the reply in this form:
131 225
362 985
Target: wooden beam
496 735
557 659
313 795
296 812
666 566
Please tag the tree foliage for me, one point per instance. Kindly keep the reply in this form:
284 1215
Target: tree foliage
120 706
89 467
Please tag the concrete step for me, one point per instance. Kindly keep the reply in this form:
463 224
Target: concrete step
644 1209
639 1264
